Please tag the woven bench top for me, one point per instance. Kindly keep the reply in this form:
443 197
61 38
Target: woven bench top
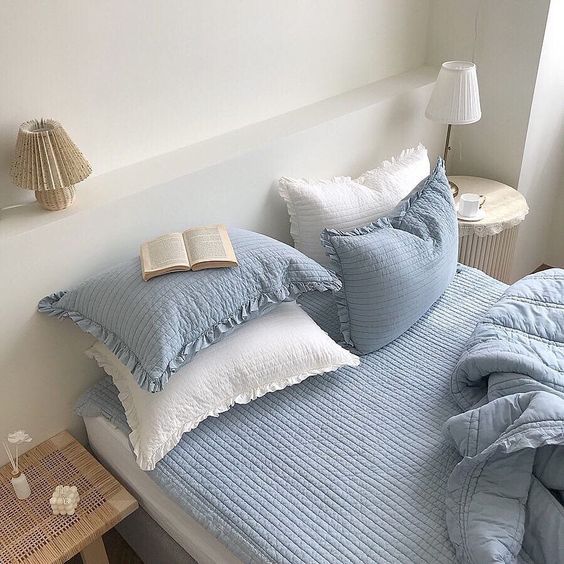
29 532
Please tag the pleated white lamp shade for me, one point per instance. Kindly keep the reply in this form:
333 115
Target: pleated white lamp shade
48 162
456 98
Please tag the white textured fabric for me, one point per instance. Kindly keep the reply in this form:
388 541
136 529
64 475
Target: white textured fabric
456 96
466 228
397 177
344 203
266 354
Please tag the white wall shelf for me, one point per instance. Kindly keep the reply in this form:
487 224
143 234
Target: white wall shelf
104 189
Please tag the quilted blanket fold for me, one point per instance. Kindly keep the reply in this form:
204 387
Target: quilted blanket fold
504 499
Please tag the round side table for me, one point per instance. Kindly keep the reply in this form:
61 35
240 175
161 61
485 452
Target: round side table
489 244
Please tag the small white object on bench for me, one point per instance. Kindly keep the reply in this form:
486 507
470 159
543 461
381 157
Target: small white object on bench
64 500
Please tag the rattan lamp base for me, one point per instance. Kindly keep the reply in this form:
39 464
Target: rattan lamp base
54 200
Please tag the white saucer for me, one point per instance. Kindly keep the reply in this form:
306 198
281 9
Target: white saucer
479 216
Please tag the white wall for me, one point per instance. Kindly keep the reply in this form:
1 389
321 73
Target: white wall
542 173
520 138
42 364
132 79
505 42
136 78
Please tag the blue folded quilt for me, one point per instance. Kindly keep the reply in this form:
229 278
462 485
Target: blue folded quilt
504 498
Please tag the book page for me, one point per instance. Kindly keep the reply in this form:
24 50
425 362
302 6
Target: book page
164 252
208 244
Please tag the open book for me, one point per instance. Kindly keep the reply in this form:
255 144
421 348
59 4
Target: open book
196 248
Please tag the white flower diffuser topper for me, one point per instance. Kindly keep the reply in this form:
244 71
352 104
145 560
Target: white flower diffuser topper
64 500
19 481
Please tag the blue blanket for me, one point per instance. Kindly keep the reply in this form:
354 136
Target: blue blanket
350 466
504 498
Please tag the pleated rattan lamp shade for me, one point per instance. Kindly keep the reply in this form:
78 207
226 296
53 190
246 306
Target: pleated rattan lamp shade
48 162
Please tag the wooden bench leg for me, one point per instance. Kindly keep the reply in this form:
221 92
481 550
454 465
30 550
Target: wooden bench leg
95 553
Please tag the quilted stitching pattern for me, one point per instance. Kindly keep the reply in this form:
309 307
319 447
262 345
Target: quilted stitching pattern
281 348
322 308
155 327
510 378
344 203
394 269
350 466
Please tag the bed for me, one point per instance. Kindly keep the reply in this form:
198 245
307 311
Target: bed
349 466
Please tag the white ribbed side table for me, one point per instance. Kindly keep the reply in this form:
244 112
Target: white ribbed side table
489 244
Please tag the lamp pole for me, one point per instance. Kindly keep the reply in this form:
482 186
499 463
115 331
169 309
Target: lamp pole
447 148
453 186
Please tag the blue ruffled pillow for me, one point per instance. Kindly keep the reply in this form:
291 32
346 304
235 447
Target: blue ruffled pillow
156 327
393 270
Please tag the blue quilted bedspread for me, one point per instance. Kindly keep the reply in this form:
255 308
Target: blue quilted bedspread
350 466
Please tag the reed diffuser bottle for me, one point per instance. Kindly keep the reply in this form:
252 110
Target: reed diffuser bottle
19 481
20 485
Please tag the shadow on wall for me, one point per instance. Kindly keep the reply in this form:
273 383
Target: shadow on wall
33 401
556 254
541 237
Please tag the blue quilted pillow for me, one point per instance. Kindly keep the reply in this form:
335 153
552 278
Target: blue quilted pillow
156 327
393 270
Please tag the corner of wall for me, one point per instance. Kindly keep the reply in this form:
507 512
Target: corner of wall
541 237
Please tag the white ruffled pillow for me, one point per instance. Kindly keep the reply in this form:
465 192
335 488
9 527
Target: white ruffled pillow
280 349
343 203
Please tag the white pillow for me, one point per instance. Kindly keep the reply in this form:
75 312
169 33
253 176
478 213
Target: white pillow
344 203
279 349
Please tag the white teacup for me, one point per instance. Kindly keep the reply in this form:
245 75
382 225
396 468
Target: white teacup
469 205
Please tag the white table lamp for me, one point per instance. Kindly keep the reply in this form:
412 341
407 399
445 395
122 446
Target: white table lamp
455 99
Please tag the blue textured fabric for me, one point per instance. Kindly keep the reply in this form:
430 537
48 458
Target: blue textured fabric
349 466
522 334
498 498
155 327
393 270
322 308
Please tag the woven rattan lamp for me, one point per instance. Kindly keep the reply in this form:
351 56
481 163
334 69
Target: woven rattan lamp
48 162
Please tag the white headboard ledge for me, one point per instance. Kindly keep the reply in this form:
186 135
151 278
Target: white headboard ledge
229 179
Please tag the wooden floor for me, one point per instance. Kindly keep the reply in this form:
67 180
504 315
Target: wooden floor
119 552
